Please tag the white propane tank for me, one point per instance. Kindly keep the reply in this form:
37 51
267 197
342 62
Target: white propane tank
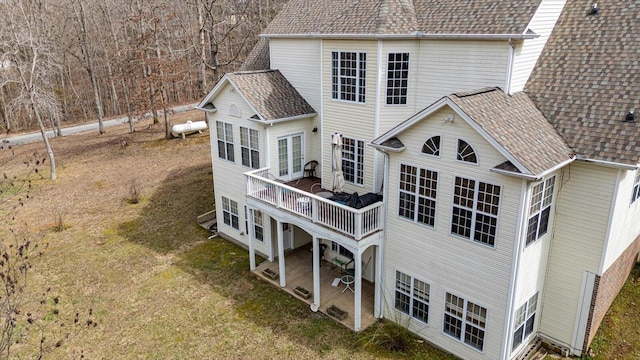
189 127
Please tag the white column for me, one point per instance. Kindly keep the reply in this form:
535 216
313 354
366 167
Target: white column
377 297
358 291
283 280
316 272
252 248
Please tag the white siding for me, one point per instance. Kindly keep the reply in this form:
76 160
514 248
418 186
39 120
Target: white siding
581 223
290 128
449 263
528 51
625 226
228 176
449 66
355 120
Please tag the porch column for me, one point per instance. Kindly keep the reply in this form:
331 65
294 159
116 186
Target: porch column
377 293
358 291
283 280
252 248
316 271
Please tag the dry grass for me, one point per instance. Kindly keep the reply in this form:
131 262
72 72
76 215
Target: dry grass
156 286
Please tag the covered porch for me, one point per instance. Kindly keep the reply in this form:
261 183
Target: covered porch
299 273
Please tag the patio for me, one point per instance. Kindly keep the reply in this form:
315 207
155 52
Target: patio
299 272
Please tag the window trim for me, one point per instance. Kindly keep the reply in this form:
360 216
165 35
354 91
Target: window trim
459 157
475 212
358 166
635 195
411 296
524 325
227 140
258 225
227 208
439 148
464 322
250 147
417 197
360 78
341 250
404 97
539 213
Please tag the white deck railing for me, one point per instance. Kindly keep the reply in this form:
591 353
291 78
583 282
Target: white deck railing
356 223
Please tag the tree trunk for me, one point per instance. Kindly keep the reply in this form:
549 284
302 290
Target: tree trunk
3 110
203 52
90 70
43 131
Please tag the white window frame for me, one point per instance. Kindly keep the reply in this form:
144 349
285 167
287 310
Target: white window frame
410 299
417 196
636 188
258 225
225 141
524 321
397 79
249 146
353 160
462 155
462 314
345 77
230 213
476 214
341 250
540 210
428 145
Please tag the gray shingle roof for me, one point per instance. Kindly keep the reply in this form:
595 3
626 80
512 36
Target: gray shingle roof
270 94
515 123
258 58
404 17
588 78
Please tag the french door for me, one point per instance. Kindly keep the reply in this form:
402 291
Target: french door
291 156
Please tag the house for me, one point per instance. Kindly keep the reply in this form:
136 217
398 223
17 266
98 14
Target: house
469 169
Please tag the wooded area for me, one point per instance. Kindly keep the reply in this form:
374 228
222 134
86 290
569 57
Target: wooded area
79 60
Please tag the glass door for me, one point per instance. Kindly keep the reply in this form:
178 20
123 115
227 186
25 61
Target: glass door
290 157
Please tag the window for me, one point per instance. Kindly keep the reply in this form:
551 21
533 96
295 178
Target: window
258 229
525 320
249 148
353 160
412 297
461 316
475 210
636 189
540 209
418 189
230 212
348 76
432 146
466 152
337 248
225 141
397 75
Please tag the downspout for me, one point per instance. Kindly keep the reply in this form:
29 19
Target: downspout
517 254
510 61
376 117
380 263
322 111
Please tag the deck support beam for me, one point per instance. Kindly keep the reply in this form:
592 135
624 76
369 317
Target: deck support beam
283 280
251 235
316 271
358 291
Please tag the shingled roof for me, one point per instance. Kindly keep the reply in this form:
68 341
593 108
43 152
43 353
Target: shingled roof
515 123
588 79
393 17
258 58
270 94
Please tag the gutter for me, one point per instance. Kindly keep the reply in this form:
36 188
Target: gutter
386 149
534 177
291 118
205 110
414 35
608 164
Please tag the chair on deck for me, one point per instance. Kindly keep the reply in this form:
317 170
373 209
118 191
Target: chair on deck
310 169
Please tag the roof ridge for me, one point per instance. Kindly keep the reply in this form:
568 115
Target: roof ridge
476 92
246 72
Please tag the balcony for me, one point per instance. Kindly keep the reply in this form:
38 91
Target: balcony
352 222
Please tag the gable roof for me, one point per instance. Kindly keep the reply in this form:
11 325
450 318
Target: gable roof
588 79
269 94
375 17
512 123
258 58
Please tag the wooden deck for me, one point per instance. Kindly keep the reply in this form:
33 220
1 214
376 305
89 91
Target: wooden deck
299 272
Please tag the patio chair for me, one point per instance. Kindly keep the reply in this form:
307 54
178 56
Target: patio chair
310 169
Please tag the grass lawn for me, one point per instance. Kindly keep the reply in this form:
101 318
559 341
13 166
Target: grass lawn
155 285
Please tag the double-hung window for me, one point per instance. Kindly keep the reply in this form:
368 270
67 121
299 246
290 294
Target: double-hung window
397 78
225 140
465 321
249 148
348 76
412 297
418 189
636 189
258 229
475 210
353 160
525 321
230 212
540 209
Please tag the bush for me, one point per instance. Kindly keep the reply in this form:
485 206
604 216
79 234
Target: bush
389 336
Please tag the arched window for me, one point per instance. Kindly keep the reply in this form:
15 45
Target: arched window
234 110
432 146
466 152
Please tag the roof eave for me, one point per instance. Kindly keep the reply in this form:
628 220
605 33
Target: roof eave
532 176
414 35
290 118
610 164
387 148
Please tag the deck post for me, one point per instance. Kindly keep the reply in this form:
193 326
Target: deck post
316 271
283 280
250 234
358 291
377 293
